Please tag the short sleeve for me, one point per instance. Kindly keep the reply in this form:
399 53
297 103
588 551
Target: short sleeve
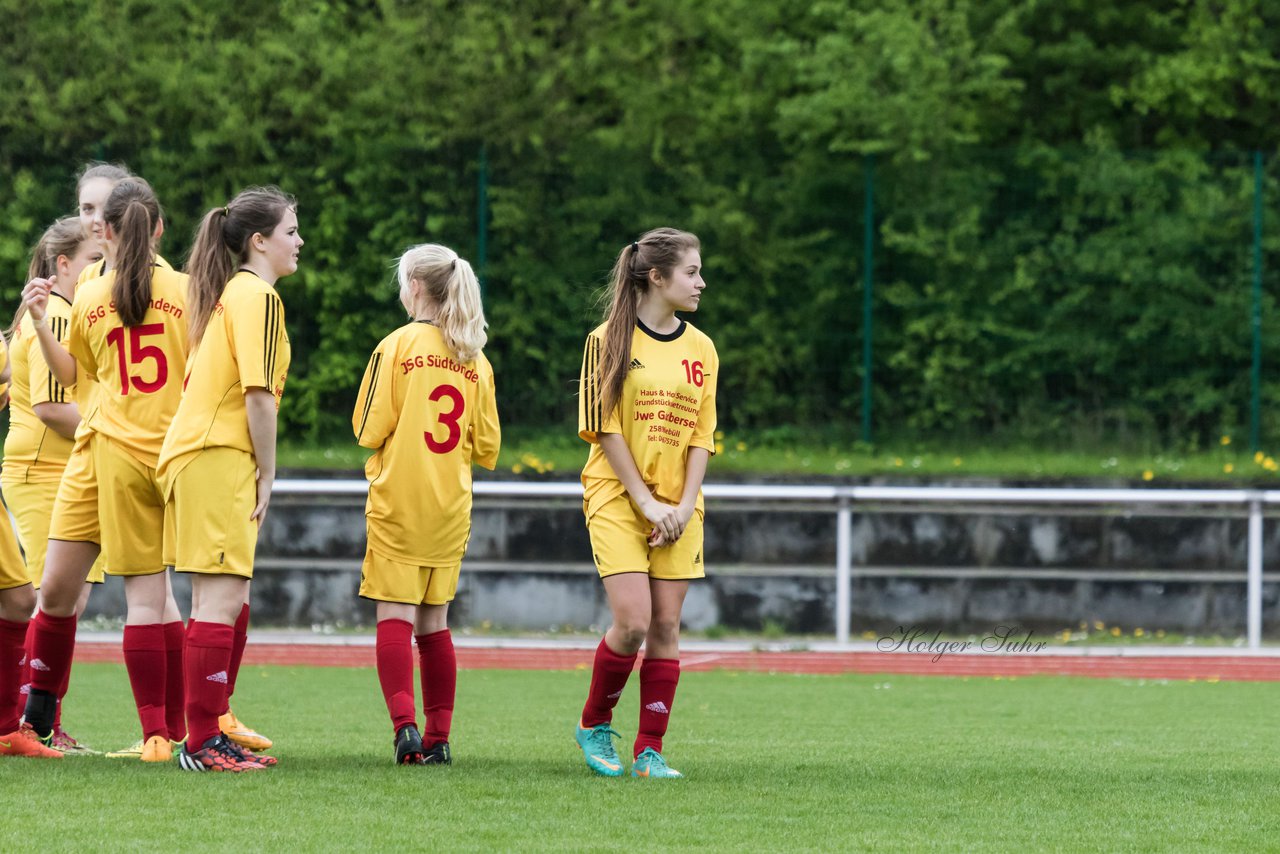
45 388
704 435
592 419
258 339
375 415
486 433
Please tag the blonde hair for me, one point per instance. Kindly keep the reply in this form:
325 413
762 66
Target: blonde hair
64 237
452 285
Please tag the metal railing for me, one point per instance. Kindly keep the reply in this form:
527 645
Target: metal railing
886 499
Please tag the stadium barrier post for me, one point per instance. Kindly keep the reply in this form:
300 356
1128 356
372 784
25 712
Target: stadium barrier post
844 552
1254 596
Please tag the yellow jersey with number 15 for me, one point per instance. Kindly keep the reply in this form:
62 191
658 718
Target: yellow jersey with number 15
428 418
244 346
667 405
138 369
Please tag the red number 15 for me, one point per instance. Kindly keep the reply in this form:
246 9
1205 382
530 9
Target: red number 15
137 353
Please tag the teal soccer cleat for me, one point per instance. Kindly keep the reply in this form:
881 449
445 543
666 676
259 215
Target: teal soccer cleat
650 764
597 748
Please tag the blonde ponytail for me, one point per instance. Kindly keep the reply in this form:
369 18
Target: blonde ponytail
452 285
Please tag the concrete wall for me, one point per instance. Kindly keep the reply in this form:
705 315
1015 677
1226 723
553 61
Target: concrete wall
528 567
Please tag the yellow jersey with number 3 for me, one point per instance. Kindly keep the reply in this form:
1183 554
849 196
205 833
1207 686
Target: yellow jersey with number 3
428 418
667 405
244 346
138 369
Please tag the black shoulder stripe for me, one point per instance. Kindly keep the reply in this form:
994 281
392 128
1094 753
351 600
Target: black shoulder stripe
270 334
372 376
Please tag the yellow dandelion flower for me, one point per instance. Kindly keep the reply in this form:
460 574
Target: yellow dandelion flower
1228 468
741 446
1226 440
517 468
897 461
957 462
1270 464
1258 456
719 435
1098 625
868 635
1148 474
1159 633
719 447
1138 632
1115 631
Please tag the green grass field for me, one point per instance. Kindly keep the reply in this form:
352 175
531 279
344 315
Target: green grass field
773 762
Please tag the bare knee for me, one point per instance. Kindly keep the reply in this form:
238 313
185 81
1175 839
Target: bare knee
628 633
17 604
664 631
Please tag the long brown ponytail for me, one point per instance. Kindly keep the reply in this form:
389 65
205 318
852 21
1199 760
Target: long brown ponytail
660 249
222 245
62 238
133 211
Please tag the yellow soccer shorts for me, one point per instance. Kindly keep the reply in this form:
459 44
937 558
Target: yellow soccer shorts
32 507
209 507
75 508
620 543
13 571
386 580
130 511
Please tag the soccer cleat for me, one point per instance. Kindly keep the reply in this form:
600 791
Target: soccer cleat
24 742
158 748
240 734
133 751
651 765
438 754
218 754
68 746
408 743
597 748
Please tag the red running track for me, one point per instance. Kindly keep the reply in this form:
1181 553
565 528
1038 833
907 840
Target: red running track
1201 667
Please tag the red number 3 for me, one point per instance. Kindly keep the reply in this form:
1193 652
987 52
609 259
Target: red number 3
449 419
136 353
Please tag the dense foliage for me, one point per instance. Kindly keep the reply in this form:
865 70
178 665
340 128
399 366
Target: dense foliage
1064 190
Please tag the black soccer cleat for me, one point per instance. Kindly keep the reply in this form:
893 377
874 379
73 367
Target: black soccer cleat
408 746
438 754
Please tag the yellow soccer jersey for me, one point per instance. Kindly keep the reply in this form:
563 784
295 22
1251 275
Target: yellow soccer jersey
139 369
244 346
667 405
33 453
95 270
428 419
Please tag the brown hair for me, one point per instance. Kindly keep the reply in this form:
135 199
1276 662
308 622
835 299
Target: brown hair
133 211
113 172
452 285
660 249
222 245
64 237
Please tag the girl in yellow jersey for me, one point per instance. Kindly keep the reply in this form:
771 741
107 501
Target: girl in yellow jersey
647 405
17 598
43 417
426 408
219 458
129 332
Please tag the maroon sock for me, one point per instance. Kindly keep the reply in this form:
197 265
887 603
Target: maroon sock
658 680
52 647
175 684
609 676
237 652
62 693
438 665
145 658
25 688
395 670
208 655
13 639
